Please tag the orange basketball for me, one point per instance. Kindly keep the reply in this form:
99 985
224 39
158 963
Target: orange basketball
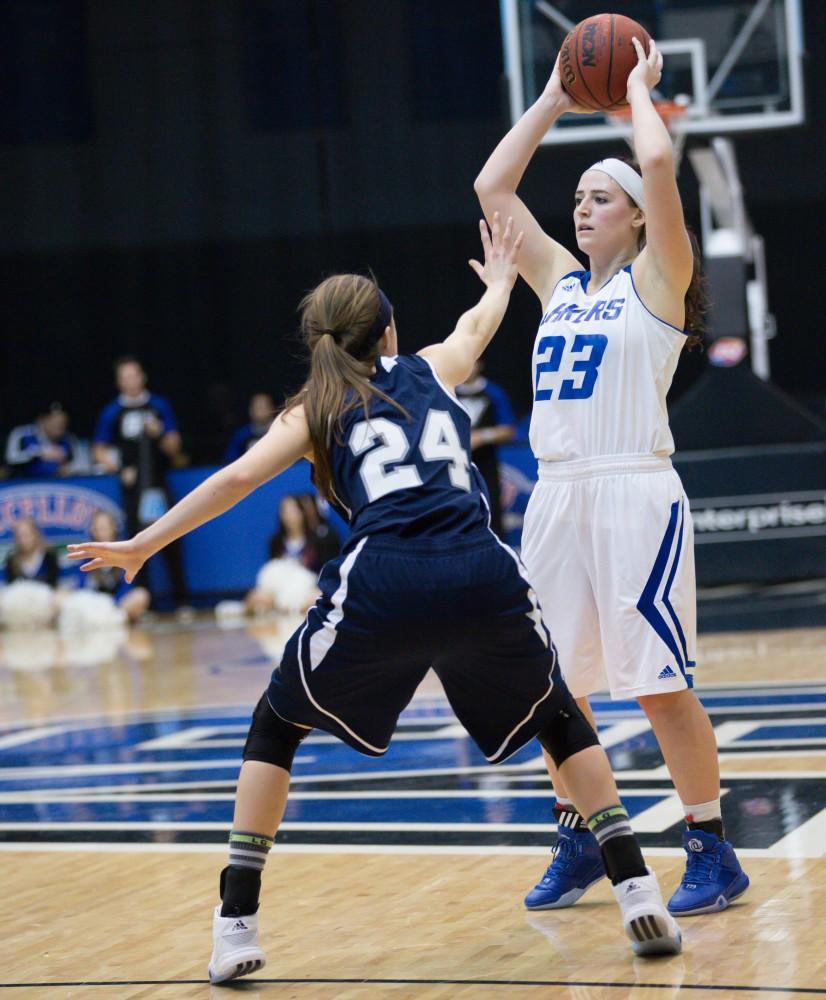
596 58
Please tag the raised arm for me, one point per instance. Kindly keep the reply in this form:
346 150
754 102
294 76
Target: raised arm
663 269
542 261
287 440
453 359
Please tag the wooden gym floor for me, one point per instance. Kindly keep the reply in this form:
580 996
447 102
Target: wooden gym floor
401 878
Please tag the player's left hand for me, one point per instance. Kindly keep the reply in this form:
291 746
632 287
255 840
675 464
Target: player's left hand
501 253
124 555
649 67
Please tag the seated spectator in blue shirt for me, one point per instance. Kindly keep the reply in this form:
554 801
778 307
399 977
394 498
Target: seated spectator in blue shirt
132 599
42 449
261 414
31 558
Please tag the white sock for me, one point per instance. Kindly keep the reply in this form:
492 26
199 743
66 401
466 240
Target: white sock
703 811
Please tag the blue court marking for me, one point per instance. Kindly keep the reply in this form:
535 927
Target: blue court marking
604 706
815 730
205 750
503 810
128 764
423 752
108 779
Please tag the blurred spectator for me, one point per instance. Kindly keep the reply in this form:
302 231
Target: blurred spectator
31 558
326 541
304 540
132 599
44 448
297 536
492 423
261 414
137 436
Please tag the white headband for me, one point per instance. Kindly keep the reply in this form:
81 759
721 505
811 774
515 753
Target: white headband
627 178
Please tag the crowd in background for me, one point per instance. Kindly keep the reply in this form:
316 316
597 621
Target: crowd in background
137 438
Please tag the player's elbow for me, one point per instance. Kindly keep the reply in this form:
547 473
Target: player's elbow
487 192
239 480
657 160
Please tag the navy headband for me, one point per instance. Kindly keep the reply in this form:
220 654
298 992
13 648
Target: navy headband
382 320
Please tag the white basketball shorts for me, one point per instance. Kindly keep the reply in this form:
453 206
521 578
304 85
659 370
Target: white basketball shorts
608 544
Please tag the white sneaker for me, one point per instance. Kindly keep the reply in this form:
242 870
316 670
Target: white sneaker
235 948
649 925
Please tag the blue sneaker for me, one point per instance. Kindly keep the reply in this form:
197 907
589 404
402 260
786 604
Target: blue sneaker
713 877
576 865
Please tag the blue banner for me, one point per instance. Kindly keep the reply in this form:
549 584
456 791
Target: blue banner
61 508
224 555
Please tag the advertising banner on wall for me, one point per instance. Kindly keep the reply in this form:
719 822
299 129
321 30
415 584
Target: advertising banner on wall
759 513
61 508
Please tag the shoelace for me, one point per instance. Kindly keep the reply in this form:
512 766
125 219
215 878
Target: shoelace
701 866
564 853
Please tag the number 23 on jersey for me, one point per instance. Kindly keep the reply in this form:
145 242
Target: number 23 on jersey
586 353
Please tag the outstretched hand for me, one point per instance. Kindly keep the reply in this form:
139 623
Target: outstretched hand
649 67
123 555
501 252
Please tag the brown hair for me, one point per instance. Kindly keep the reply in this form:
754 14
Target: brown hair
696 296
15 556
336 321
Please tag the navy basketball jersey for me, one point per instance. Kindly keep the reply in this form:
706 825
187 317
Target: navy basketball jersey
408 475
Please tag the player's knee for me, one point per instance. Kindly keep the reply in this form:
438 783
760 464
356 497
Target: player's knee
567 731
272 739
658 706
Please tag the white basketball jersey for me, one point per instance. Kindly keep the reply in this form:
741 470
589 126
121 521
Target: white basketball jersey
602 365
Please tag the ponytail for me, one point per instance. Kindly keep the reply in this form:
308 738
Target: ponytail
342 322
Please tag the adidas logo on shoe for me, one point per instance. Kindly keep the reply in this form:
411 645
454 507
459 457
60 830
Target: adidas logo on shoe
631 887
665 673
239 925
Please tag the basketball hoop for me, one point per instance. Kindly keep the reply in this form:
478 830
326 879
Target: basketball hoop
671 112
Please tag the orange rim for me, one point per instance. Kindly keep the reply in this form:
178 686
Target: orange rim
667 110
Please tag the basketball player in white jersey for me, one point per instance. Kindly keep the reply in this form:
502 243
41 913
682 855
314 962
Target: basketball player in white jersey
608 539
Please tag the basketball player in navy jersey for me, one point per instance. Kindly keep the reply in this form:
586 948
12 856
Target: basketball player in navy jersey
422 582
608 540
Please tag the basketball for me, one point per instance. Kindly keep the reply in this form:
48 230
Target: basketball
596 58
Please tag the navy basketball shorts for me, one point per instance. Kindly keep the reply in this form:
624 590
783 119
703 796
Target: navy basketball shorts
390 609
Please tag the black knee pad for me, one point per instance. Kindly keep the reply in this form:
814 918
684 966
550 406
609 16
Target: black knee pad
272 739
567 731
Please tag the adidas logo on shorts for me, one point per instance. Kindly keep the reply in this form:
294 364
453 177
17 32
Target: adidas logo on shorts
665 673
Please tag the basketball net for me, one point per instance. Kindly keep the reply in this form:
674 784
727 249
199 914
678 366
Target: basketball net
671 113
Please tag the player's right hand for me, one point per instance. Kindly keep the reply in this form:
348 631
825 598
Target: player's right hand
560 95
123 555
501 253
